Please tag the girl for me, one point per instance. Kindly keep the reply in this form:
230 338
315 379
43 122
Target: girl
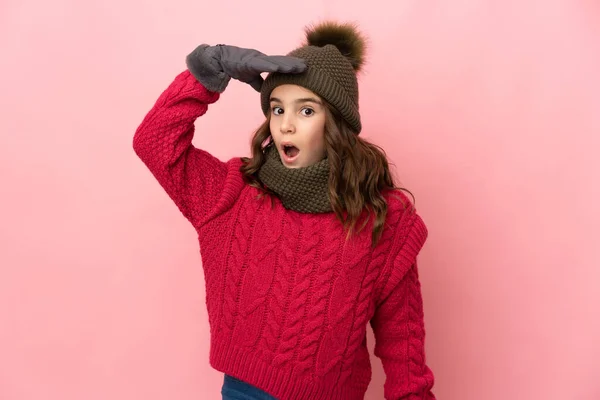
307 241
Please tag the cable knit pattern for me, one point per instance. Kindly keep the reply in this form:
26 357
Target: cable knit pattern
364 305
288 298
345 291
316 317
300 294
258 284
236 265
283 284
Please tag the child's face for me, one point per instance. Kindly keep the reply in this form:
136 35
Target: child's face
297 125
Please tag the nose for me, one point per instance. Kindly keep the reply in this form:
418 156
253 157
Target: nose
287 124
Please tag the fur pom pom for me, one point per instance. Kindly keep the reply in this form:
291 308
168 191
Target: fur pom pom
345 36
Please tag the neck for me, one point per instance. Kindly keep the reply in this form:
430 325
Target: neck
299 189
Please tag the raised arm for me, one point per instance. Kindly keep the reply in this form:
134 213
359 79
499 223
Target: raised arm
192 177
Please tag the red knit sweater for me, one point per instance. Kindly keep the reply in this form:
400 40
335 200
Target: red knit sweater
288 298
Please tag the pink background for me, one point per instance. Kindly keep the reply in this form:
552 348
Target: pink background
490 111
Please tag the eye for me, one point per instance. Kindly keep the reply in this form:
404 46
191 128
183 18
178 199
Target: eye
309 110
276 109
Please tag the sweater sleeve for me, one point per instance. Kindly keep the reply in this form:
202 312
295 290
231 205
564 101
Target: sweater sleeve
398 325
192 177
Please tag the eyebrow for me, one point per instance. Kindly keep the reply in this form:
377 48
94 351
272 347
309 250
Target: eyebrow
302 100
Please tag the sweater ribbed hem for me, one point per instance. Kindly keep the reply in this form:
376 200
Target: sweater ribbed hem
248 367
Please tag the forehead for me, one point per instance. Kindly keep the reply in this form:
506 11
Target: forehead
291 92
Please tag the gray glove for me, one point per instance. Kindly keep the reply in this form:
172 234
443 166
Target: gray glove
214 66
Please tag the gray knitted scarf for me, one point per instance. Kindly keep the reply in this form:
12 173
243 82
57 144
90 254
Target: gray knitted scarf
300 189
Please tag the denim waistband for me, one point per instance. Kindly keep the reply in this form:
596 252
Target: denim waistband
235 389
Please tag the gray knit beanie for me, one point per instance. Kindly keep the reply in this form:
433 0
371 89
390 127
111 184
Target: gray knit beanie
334 54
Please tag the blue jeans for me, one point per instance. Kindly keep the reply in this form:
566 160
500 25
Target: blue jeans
234 389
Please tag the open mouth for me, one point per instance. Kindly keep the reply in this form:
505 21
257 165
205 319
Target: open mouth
290 152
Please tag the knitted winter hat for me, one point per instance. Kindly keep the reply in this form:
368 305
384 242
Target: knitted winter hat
334 54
